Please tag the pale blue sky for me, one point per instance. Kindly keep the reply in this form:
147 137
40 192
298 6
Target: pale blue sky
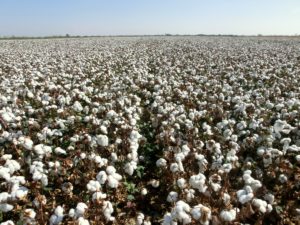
128 17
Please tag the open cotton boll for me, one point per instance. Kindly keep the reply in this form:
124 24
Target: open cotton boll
98 196
18 192
161 162
282 178
8 117
4 196
180 212
12 165
82 221
181 183
202 213
229 215
101 177
26 142
262 205
8 222
107 210
202 162
130 167
60 151
140 218
4 173
198 182
245 195
254 184
58 216
42 149
174 167
167 220
4 207
102 140
77 107
93 186
298 158
172 196
80 209
226 199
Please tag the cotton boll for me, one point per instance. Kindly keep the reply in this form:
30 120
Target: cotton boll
190 194
226 199
298 158
102 140
174 167
154 183
130 167
110 170
4 207
144 191
229 215
72 213
172 196
181 183
93 186
77 107
140 218
82 221
261 205
114 157
98 196
245 195
4 196
198 182
60 151
58 216
282 178
26 142
180 212
42 149
8 222
80 209
107 210
161 162
202 213
4 173
101 177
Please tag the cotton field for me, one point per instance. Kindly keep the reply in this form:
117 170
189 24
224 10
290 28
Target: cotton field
150 130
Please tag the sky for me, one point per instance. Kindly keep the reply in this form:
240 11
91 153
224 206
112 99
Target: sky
142 17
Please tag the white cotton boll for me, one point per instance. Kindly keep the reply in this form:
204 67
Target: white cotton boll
270 198
103 129
140 218
81 208
29 213
130 167
8 222
59 150
172 196
8 117
72 213
19 192
161 162
174 167
58 216
226 199
167 220
101 177
12 165
4 173
282 178
4 196
4 207
110 170
202 213
98 195
229 215
245 195
42 149
93 186
181 183
190 194
102 140
77 107
198 182
154 183
180 212
114 157
261 205
27 143
107 210
298 158
82 221
112 182
144 191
